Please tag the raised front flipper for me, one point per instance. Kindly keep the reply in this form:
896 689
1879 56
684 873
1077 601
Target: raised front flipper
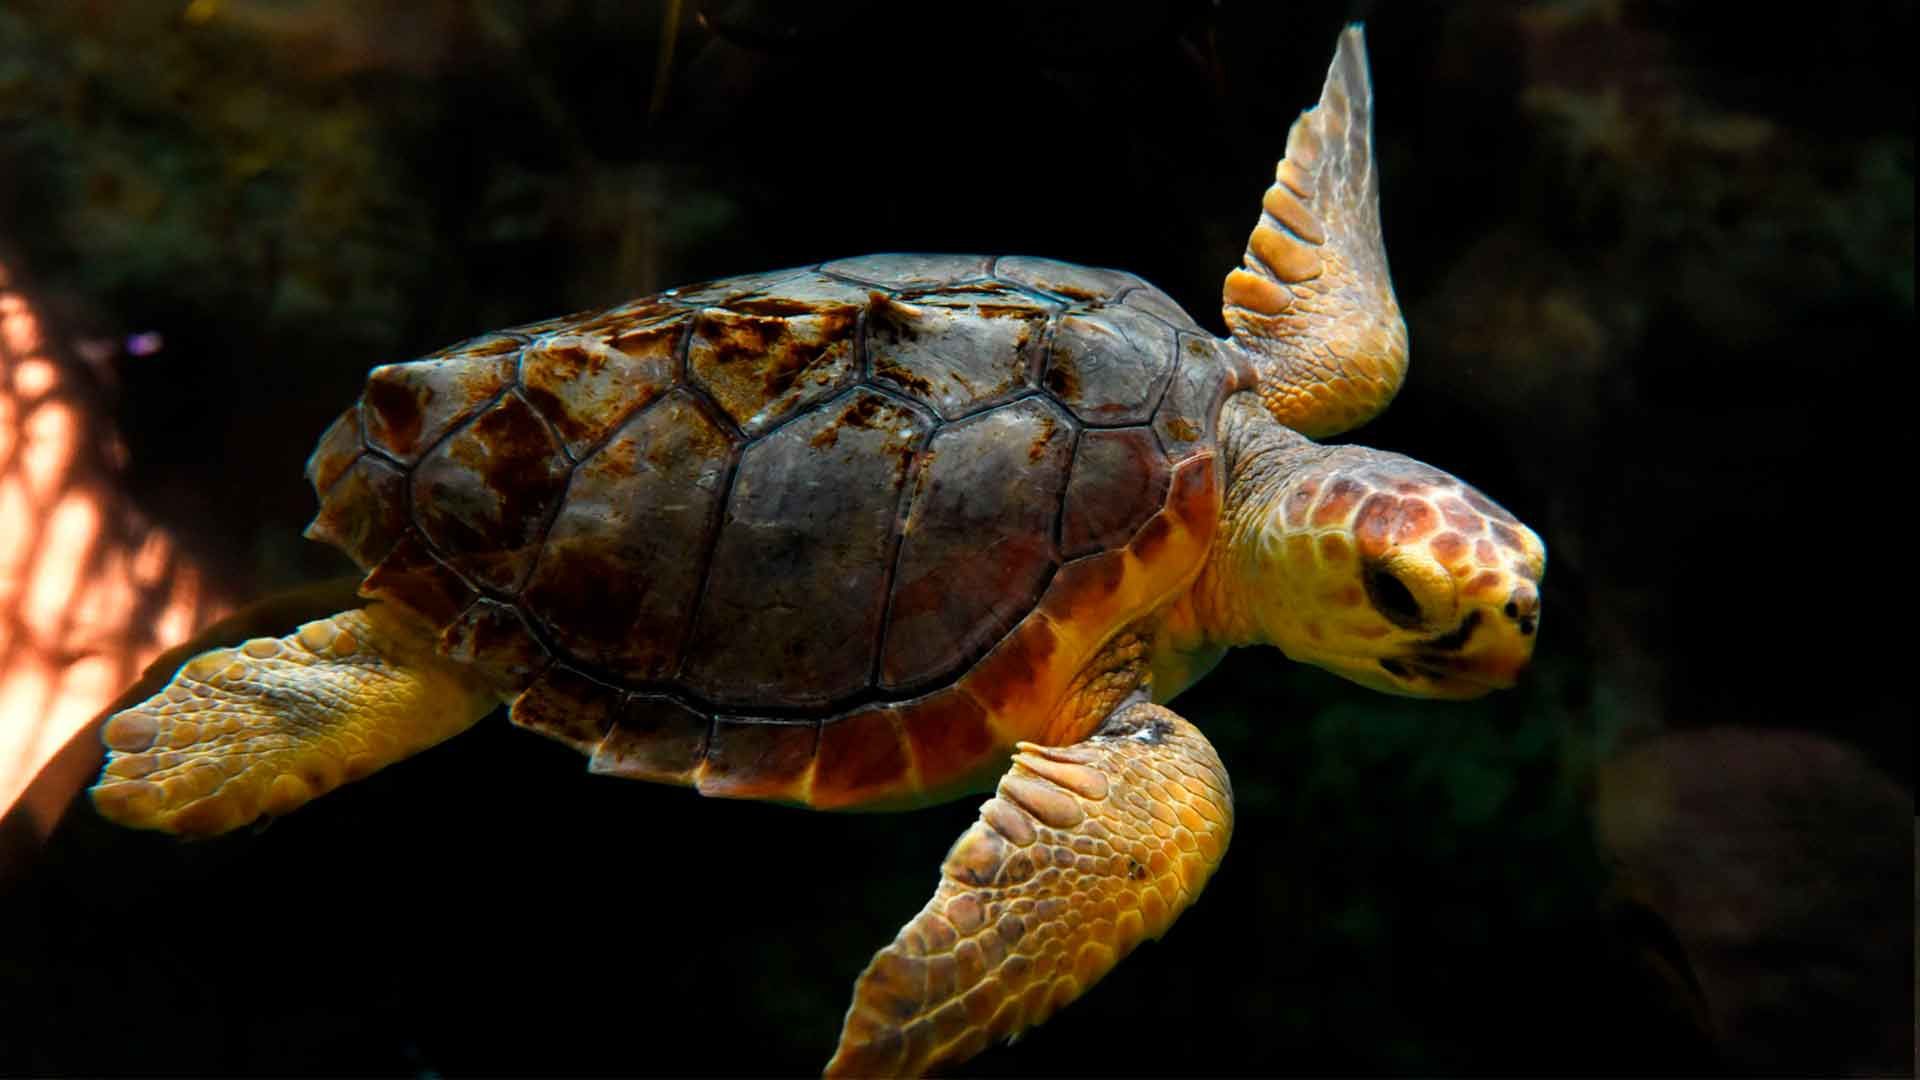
263 728
1086 851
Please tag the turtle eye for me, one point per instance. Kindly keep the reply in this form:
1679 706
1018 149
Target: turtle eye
1392 598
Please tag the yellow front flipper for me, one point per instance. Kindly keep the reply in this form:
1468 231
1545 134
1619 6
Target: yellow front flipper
1086 851
262 728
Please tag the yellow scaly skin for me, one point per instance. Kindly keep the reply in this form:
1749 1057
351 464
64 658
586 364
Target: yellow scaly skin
268 726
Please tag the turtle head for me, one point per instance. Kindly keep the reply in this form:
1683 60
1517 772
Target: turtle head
1397 576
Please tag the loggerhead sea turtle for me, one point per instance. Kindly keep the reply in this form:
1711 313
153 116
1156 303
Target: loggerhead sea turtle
858 535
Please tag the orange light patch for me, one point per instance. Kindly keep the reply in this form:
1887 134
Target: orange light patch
1449 548
1483 551
1083 592
861 757
1194 495
1484 583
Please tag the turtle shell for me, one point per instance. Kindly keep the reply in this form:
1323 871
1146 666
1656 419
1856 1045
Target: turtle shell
838 534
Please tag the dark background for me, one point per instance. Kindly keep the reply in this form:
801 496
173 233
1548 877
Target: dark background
1657 264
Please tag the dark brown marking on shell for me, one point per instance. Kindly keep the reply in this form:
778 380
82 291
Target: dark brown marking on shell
793 605
1084 585
566 705
411 577
585 387
910 271
407 407
484 496
653 738
862 755
955 360
618 576
751 758
978 544
725 290
1373 529
949 734
1343 494
1009 678
1119 480
761 369
493 638
1111 366
1184 421
336 452
364 513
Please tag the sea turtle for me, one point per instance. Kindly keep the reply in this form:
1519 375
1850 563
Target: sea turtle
870 534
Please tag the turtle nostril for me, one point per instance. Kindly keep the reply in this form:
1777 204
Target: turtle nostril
1513 610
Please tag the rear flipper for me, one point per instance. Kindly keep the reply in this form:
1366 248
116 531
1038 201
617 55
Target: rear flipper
263 728
1087 851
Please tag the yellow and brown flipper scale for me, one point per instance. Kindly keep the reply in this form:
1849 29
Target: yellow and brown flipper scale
262 728
1312 302
1085 852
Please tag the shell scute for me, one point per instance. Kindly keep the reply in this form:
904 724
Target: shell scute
621 567
979 538
1119 480
408 407
484 495
795 595
763 368
586 384
911 271
653 738
954 359
1110 368
1070 281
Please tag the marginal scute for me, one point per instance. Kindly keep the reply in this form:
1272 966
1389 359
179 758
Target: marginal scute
911 271
585 385
484 495
616 581
1119 480
978 545
1084 589
956 360
407 407
950 735
763 368
1111 366
794 599
567 705
654 738
364 513
751 758
862 756
336 452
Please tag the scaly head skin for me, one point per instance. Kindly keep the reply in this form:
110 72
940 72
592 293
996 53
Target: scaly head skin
1369 564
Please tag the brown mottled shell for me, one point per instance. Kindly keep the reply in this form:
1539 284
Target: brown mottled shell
835 535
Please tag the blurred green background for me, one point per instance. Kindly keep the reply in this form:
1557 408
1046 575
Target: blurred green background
1657 264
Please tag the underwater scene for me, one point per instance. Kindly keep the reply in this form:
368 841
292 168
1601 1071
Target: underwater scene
559 537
